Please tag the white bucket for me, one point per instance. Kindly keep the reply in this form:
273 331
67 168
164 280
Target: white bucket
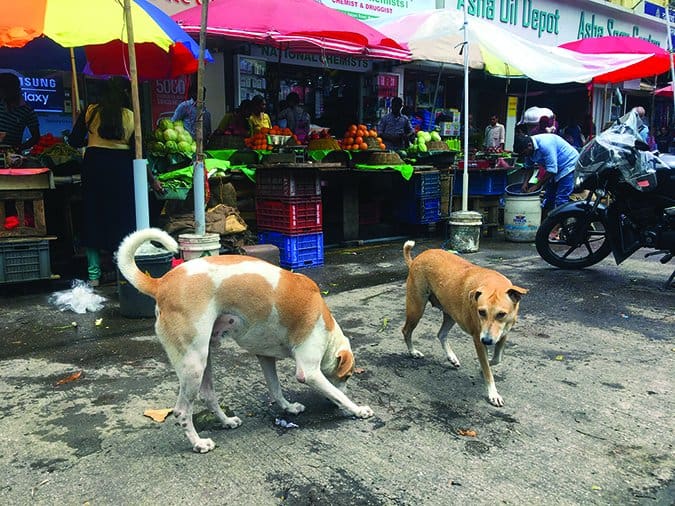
197 246
522 214
464 231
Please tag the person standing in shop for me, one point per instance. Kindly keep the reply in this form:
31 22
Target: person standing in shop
187 113
395 128
495 135
106 128
16 115
259 118
297 119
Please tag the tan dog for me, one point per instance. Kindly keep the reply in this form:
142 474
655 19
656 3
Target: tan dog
483 302
270 312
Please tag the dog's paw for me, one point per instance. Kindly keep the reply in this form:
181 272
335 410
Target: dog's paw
452 358
363 412
231 422
416 354
496 399
294 408
203 446
496 361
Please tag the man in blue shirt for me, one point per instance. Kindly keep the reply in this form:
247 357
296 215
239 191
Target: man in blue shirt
558 157
394 128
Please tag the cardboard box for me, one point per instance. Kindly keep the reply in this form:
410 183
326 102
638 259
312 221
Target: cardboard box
26 179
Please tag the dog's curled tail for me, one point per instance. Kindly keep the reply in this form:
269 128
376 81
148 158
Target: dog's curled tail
407 248
127 263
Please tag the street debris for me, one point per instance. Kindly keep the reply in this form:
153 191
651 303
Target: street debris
79 299
158 415
359 370
98 322
467 432
67 379
560 358
285 424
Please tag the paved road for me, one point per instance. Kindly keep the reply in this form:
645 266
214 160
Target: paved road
587 380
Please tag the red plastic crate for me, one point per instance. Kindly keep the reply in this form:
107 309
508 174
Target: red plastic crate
287 183
290 216
475 164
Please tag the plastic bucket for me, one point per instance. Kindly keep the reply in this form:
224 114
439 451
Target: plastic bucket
464 231
197 246
522 214
134 304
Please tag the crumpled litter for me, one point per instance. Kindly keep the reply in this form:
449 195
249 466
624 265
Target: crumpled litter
286 425
80 298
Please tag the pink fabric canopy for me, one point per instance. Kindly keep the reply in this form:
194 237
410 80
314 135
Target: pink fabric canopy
666 91
657 63
300 25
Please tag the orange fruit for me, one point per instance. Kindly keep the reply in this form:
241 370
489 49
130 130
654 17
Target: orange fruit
372 133
358 140
382 146
363 146
352 128
348 141
379 139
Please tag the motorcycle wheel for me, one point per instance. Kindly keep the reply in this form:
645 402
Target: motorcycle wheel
579 243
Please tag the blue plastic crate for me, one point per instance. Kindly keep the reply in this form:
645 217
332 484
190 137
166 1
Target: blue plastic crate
296 251
426 184
482 182
420 210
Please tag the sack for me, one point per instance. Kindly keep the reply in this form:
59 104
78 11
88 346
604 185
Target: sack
224 220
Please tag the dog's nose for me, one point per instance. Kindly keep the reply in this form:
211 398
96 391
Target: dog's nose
487 341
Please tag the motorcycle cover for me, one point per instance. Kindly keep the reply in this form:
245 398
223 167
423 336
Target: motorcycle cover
615 148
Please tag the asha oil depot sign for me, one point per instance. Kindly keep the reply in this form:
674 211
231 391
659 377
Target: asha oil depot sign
553 23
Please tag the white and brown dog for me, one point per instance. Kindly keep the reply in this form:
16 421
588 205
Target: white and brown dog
482 301
270 312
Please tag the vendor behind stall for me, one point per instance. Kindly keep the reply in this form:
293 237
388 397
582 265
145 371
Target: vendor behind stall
295 117
395 128
259 118
16 115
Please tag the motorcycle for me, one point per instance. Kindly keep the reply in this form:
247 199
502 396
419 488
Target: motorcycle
629 203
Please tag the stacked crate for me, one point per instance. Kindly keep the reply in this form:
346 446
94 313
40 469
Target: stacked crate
420 200
289 215
24 244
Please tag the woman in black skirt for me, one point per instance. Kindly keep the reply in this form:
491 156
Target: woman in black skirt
107 173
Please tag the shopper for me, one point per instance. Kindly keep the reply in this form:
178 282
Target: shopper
297 119
16 115
395 128
643 128
259 118
187 113
236 122
106 128
495 135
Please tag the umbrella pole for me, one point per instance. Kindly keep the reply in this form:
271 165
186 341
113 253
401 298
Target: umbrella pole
140 165
465 173
438 84
198 177
75 98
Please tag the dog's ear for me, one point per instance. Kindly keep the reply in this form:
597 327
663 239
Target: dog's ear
516 292
474 295
345 363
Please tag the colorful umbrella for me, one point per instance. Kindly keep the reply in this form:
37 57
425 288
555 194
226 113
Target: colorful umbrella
162 48
73 23
301 25
666 91
656 59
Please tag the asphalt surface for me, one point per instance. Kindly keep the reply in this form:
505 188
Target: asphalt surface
587 380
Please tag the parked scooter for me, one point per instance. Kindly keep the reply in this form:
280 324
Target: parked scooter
630 203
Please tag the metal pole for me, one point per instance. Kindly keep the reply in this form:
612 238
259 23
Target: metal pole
670 50
465 174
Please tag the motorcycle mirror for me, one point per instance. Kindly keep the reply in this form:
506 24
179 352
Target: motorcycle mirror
641 145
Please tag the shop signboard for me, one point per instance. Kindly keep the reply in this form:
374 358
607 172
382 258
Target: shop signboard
42 91
166 94
366 9
553 22
328 61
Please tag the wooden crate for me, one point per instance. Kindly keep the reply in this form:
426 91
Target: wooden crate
486 205
29 208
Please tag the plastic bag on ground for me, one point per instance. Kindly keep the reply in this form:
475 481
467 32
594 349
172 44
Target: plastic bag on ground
79 299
